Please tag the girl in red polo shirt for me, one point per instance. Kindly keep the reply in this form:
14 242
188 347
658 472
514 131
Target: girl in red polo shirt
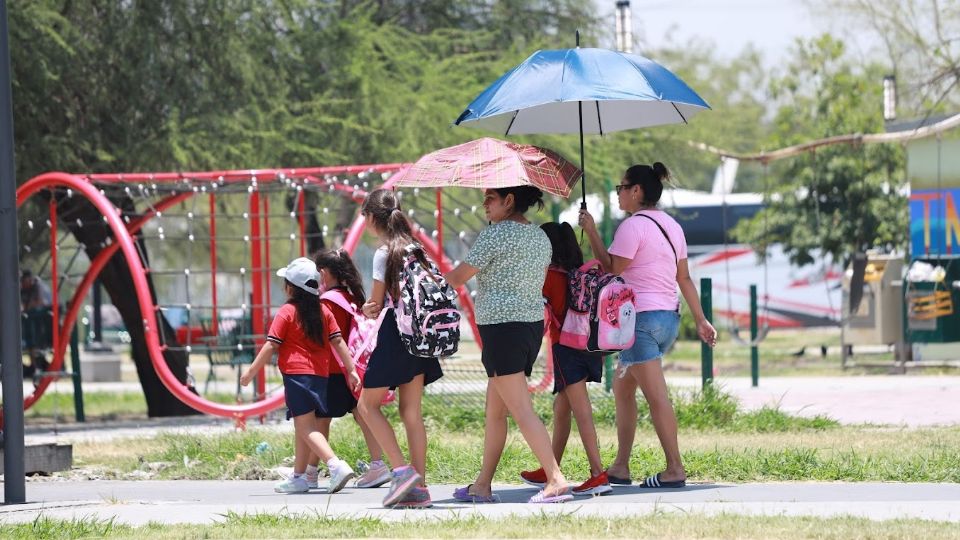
302 333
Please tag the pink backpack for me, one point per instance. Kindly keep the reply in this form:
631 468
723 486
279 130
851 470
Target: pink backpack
600 314
363 336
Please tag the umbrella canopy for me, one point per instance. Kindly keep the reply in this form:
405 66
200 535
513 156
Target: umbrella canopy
617 91
492 163
582 91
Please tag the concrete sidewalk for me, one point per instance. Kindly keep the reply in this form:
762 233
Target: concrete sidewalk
206 502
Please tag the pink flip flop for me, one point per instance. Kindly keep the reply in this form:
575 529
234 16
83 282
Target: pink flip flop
463 495
542 498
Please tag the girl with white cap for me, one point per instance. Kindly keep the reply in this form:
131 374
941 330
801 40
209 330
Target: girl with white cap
300 334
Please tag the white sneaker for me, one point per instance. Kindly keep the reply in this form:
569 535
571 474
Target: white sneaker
293 484
340 474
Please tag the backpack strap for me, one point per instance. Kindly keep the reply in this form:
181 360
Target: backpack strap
340 299
590 264
665 235
550 317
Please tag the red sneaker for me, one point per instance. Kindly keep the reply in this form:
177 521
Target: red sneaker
597 485
536 478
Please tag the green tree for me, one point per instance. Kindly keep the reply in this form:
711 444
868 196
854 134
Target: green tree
837 200
110 86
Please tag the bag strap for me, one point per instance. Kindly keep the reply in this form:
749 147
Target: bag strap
340 299
550 317
665 235
589 264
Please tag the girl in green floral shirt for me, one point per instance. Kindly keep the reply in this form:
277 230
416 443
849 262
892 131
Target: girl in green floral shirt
510 259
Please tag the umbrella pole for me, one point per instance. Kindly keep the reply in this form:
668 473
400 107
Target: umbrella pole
583 170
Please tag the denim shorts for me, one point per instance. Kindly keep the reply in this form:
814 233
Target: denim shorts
656 331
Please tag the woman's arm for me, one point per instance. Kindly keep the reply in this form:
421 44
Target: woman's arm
460 275
705 330
613 264
589 226
264 356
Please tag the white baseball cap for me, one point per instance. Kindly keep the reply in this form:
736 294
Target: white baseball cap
299 272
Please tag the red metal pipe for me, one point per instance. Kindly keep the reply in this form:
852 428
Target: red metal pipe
234 176
256 271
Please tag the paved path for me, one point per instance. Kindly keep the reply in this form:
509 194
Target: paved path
882 399
183 501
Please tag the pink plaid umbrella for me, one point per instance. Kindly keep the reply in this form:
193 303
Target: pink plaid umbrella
492 163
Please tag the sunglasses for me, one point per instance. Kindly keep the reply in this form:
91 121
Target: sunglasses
621 187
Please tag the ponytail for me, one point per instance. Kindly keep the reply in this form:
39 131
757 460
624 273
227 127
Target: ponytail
382 208
339 263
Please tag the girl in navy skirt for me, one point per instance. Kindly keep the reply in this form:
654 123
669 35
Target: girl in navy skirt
572 369
302 334
391 366
341 281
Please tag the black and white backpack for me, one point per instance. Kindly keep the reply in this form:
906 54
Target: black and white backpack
427 316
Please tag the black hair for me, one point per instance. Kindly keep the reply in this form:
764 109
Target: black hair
563 241
339 263
308 310
383 209
523 197
650 178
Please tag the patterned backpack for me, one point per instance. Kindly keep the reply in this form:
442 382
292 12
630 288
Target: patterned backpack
600 314
427 316
362 338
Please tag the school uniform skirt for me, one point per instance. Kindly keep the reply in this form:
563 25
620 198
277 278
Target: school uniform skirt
391 365
340 400
304 394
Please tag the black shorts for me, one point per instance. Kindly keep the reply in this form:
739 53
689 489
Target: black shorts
305 394
340 400
572 366
392 365
510 347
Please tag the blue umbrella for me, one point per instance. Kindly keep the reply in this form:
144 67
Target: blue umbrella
582 90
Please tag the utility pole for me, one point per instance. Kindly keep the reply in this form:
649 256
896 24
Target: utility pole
624 27
14 484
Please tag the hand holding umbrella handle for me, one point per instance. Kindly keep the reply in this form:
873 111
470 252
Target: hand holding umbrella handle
586 221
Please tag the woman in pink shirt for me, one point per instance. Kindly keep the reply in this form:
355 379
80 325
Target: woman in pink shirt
650 252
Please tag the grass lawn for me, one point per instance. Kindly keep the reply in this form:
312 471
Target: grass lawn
719 443
665 525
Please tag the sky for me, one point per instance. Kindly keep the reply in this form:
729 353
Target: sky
770 25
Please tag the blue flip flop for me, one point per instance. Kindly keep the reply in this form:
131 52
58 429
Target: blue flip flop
654 482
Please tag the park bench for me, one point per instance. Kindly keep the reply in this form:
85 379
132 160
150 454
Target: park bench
232 344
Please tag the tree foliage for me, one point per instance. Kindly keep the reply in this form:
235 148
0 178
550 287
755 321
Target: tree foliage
839 199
